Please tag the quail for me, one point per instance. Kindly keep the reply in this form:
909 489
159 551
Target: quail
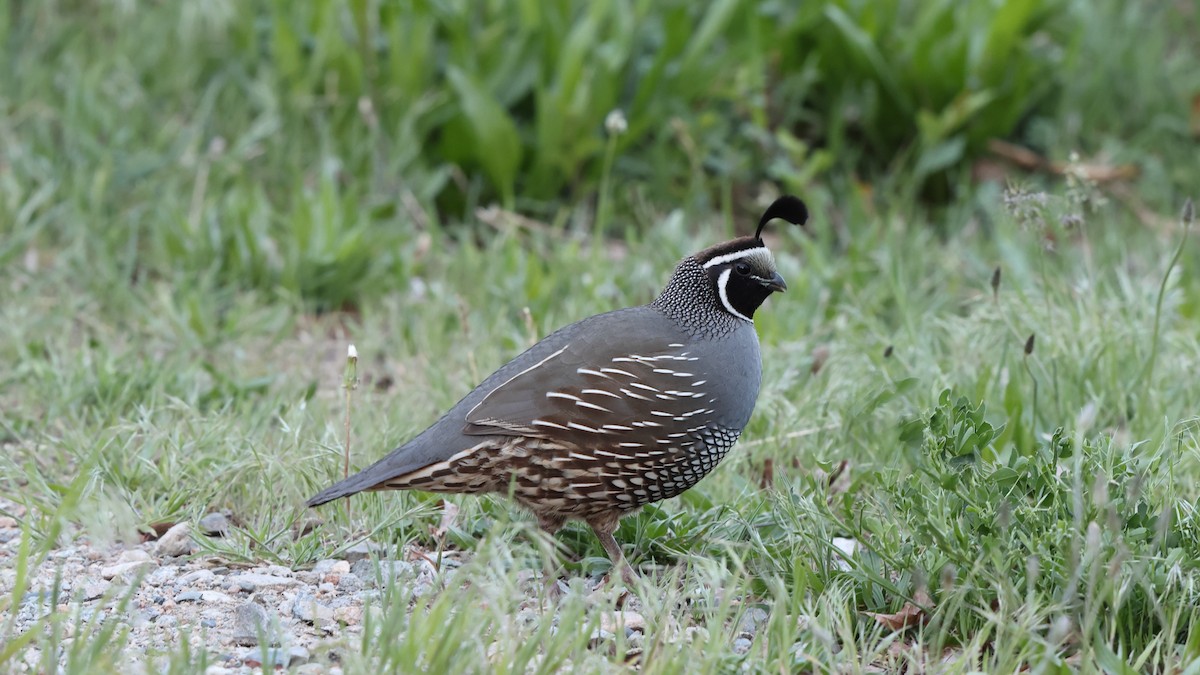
613 412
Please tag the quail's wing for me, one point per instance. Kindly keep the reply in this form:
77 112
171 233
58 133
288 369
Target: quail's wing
626 389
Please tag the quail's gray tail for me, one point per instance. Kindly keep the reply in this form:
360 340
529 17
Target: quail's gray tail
360 481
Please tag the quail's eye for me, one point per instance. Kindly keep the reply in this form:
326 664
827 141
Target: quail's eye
742 269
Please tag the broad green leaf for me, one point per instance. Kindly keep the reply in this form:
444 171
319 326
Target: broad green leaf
498 147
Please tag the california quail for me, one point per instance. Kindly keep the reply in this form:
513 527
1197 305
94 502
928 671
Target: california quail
613 412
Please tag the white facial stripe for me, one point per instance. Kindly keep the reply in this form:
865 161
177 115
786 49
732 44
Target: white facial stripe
737 255
721 281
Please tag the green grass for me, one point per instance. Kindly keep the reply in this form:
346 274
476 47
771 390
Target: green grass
164 402
200 209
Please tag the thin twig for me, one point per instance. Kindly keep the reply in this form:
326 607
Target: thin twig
349 383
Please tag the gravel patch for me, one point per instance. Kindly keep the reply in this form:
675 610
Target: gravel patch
252 618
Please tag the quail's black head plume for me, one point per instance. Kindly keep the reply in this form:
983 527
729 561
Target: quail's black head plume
613 412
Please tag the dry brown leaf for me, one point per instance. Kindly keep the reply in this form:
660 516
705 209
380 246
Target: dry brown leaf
768 474
156 530
819 355
911 614
1031 161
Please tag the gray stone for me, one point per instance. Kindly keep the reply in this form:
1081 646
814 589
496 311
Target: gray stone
361 551
349 583
338 567
742 645
126 571
176 541
384 573
249 619
145 617
275 657
622 621
752 619
350 615
94 590
280 571
252 581
306 608
308 577
202 596
600 636
162 575
297 655
214 525
133 555
197 578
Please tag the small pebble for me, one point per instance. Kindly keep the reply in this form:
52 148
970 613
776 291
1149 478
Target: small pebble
383 574
133 555
349 583
176 541
197 578
214 525
252 581
95 589
126 571
625 621
248 620
601 635
280 571
308 610
527 617
338 567
146 618
752 619
351 615
741 646
162 575
635 639
275 657
203 596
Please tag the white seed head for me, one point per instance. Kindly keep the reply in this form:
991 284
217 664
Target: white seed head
351 352
615 123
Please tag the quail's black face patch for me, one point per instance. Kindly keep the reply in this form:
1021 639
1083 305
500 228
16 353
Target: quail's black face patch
742 274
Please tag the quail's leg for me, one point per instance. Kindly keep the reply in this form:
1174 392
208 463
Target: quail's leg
609 542
550 525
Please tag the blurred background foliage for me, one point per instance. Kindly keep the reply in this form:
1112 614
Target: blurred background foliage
303 145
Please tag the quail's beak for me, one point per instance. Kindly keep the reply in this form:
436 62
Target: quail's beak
775 284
